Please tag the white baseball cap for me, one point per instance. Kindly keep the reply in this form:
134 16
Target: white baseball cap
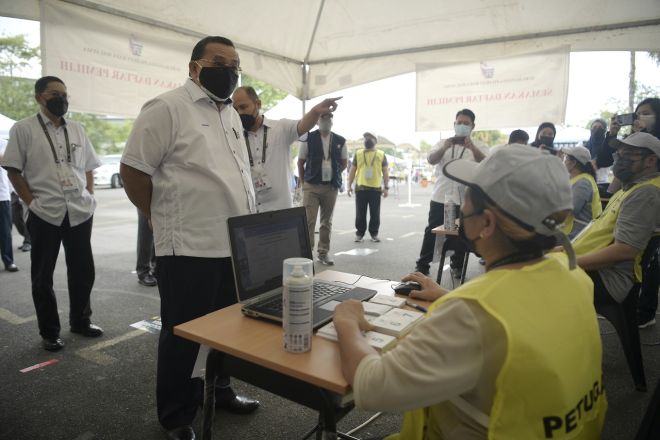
641 139
528 184
580 153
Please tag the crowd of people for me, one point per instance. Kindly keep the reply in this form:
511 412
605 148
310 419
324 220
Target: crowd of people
204 152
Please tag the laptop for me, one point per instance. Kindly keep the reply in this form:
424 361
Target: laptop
259 244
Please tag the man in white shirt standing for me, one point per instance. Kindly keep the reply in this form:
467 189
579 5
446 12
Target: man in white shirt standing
50 161
460 146
186 168
269 146
6 248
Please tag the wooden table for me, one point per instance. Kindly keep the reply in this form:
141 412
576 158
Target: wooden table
253 352
454 245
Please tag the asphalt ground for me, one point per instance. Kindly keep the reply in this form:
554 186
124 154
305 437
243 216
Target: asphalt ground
105 388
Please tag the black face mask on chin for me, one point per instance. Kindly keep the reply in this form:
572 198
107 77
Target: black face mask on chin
248 121
218 82
58 105
469 243
622 170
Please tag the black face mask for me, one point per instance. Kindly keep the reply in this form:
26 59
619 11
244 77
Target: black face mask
369 143
622 170
57 105
248 121
546 140
469 243
218 82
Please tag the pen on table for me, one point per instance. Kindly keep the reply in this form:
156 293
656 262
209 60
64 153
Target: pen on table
416 306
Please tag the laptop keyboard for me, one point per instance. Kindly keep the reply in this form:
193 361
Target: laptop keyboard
321 292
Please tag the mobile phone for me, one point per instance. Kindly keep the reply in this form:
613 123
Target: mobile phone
626 119
459 140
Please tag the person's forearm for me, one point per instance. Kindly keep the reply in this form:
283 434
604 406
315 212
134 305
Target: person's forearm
301 172
435 156
607 257
386 177
353 347
89 178
342 165
478 154
351 175
308 122
138 188
20 185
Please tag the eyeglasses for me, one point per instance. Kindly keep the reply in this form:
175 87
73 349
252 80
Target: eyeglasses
462 216
236 69
629 155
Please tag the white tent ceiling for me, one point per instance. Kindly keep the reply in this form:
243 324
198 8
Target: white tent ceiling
314 47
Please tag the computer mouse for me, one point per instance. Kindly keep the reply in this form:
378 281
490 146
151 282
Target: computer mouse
406 287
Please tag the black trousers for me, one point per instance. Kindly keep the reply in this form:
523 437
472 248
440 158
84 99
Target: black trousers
189 287
367 198
601 295
6 250
436 218
46 240
146 255
648 297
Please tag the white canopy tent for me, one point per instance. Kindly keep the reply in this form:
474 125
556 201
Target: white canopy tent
313 47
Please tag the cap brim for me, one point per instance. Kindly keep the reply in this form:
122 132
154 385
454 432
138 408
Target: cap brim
462 171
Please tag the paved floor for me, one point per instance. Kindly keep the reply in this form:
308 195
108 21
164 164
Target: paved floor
104 389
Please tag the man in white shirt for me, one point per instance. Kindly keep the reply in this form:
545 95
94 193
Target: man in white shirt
50 162
269 146
6 248
186 168
460 146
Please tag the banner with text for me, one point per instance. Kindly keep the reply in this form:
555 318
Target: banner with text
512 92
110 65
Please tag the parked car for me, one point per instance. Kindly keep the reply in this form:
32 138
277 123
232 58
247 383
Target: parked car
108 173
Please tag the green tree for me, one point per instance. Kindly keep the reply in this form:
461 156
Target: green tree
108 137
490 137
17 97
268 94
16 54
424 148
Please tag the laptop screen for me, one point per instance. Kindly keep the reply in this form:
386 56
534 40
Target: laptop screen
259 244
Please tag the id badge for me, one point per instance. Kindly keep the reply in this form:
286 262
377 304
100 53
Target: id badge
261 181
67 179
369 173
326 171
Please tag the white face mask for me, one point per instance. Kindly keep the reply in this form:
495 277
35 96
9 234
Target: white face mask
462 130
648 121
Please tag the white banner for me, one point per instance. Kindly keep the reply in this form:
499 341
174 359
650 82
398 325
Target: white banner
513 92
110 65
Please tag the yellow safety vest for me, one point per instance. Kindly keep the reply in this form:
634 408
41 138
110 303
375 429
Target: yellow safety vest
374 162
596 207
550 385
600 233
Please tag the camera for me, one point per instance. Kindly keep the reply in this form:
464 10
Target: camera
626 119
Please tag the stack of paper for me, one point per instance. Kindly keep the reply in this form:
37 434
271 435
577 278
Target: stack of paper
375 309
396 322
379 341
392 301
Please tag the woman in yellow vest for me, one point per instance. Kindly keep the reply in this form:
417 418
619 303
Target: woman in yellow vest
490 361
586 200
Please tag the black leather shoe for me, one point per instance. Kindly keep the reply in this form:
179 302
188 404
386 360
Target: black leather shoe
181 433
90 331
52 344
238 405
148 280
11 268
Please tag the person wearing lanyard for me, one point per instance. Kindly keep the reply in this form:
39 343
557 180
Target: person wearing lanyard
368 192
460 146
489 359
321 160
50 161
269 146
186 168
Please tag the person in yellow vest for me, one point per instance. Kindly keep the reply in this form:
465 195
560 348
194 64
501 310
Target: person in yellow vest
489 360
370 167
610 248
586 199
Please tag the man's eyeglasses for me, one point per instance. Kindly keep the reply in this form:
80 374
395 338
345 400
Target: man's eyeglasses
236 69
629 155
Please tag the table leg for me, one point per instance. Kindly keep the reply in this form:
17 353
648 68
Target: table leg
465 266
443 254
208 410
